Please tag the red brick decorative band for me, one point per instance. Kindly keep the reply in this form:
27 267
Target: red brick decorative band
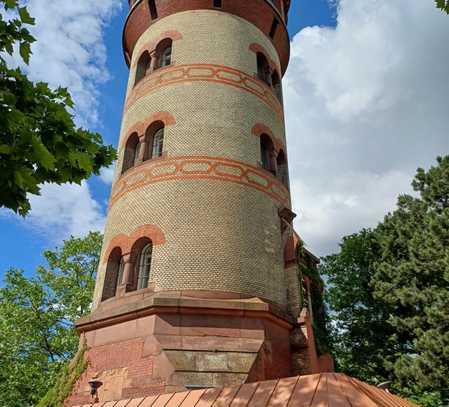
125 242
141 127
200 167
205 73
151 45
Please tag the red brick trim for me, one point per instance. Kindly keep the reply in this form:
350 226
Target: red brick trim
205 73
141 127
200 167
126 242
151 45
165 117
260 128
138 128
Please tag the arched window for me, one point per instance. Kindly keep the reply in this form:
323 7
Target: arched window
143 67
281 164
163 53
154 141
120 272
277 86
141 254
158 143
114 274
144 266
267 154
263 69
131 152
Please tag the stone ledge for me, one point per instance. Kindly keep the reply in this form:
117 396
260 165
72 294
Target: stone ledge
165 303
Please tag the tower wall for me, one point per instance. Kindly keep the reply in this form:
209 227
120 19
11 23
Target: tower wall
216 207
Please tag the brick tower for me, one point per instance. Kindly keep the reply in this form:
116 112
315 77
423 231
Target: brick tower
198 282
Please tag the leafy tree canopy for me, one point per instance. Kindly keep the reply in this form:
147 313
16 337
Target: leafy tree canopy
359 334
37 318
39 141
389 294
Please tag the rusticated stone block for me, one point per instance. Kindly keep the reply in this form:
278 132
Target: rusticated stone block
207 361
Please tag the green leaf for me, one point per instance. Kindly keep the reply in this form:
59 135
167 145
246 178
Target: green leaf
25 16
25 51
45 158
10 3
81 159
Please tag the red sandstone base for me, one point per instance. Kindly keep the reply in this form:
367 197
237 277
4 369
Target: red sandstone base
169 344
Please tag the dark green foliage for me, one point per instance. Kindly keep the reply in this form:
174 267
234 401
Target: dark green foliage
443 5
412 277
389 294
320 319
12 31
318 306
39 141
37 317
360 334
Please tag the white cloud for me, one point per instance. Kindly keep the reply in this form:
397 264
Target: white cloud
366 104
107 174
70 49
65 210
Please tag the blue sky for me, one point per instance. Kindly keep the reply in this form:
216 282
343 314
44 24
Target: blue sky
366 97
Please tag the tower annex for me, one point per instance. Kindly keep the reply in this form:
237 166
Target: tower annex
198 284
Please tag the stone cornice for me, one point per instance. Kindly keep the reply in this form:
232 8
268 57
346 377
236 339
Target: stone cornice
169 304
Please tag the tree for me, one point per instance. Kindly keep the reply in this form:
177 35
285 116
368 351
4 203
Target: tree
37 319
39 142
360 337
389 294
412 276
443 5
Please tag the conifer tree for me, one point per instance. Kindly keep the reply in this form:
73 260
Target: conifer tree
412 276
388 293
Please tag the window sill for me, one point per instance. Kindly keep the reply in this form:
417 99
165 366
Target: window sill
149 74
129 170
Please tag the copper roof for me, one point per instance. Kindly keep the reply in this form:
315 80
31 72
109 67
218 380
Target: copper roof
320 390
